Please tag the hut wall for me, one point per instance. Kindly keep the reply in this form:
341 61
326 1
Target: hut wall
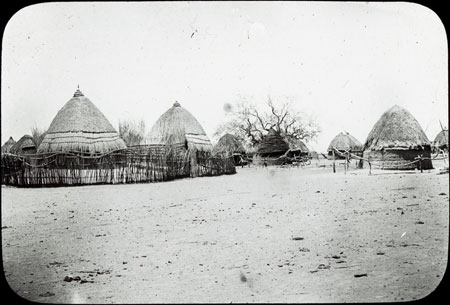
398 159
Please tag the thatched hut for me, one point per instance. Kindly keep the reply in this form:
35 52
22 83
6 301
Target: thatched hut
6 148
396 140
24 146
344 142
80 127
297 148
271 148
229 145
178 128
441 140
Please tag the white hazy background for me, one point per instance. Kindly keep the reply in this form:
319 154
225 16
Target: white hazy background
343 64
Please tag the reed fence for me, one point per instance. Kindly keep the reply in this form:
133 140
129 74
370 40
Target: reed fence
122 166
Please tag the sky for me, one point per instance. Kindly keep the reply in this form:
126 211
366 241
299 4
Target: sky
341 63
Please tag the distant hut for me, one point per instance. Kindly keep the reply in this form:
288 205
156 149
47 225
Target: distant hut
227 146
396 140
441 140
271 148
6 148
179 129
24 146
80 127
344 142
297 148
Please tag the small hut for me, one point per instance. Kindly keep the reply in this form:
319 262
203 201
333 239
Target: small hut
80 127
24 146
297 149
6 148
227 146
271 148
396 140
179 129
344 142
441 140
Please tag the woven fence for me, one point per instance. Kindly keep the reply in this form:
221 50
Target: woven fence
122 166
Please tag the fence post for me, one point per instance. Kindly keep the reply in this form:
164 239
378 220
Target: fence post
420 163
334 166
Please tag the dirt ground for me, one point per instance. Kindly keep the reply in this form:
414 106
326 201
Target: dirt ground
261 235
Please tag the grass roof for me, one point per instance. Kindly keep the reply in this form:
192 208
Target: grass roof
296 145
441 138
6 148
396 129
227 145
345 141
273 142
80 127
179 126
25 143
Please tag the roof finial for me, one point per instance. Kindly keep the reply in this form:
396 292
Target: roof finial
176 104
78 92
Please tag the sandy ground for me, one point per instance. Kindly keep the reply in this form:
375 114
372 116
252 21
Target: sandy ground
262 235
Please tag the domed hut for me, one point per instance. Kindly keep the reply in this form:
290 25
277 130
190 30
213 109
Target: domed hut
297 148
227 146
24 146
396 140
344 142
80 127
271 148
441 140
179 129
6 148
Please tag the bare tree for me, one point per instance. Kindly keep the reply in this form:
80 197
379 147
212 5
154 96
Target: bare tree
133 133
250 124
38 135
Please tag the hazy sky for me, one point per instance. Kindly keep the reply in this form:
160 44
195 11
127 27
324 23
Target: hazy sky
342 63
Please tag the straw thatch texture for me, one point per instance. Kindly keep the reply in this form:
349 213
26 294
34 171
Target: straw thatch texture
298 145
25 145
441 140
272 144
178 126
396 140
345 142
228 145
396 129
80 127
6 148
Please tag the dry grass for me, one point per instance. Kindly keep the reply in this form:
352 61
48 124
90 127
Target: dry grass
272 143
24 145
227 145
6 148
80 127
177 125
345 141
441 139
398 129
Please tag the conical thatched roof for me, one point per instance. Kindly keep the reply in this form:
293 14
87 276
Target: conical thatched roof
273 142
177 126
298 145
6 148
396 129
24 145
441 138
80 127
345 141
228 144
